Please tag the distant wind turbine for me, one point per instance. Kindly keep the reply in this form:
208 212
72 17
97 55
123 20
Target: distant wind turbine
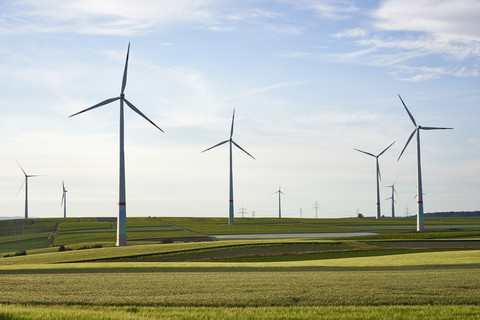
378 175
420 223
26 188
230 140
394 192
279 201
64 200
122 211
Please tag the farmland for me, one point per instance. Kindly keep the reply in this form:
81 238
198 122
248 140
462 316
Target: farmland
169 270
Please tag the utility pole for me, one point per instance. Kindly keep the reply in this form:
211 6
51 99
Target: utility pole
253 213
300 213
406 211
315 206
242 211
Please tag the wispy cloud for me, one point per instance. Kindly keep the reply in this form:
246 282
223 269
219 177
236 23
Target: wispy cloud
293 54
404 33
259 90
101 17
329 9
416 74
455 21
351 33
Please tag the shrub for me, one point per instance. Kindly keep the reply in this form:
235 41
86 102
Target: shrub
18 253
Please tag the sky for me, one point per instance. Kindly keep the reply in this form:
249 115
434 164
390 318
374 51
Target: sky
309 80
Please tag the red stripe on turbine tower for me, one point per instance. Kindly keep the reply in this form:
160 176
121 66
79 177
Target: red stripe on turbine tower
122 203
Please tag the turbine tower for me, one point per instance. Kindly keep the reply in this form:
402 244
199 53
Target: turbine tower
26 188
420 224
64 200
279 201
378 175
394 192
230 214
122 211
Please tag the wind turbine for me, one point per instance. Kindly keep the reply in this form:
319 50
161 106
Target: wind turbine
378 175
230 140
64 200
420 224
122 211
279 201
26 188
394 192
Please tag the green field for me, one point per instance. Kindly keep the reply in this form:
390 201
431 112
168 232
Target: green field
170 271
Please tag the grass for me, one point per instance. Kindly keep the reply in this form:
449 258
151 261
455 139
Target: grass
285 284
397 274
17 312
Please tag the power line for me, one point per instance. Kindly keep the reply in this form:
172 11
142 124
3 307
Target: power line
315 206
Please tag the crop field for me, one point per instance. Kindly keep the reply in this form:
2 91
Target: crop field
170 271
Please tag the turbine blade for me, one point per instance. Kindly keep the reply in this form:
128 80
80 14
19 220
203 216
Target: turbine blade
140 113
21 186
395 191
283 193
411 136
231 130
216 145
366 153
63 197
243 150
96 106
124 81
385 149
272 194
411 117
434 128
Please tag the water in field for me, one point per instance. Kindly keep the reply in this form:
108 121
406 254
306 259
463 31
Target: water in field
291 235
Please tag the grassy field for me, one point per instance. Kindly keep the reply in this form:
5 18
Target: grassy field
215 313
166 273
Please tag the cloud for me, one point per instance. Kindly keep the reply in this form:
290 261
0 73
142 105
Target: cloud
446 20
417 40
416 74
264 89
351 33
293 54
329 9
120 17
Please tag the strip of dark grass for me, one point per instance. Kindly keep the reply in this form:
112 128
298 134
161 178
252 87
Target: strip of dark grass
417 235
226 252
334 255
103 270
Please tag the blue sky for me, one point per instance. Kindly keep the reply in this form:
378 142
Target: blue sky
310 81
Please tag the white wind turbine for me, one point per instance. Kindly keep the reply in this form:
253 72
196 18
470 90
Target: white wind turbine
122 211
379 177
230 140
64 200
26 188
279 201
394 192
420 224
